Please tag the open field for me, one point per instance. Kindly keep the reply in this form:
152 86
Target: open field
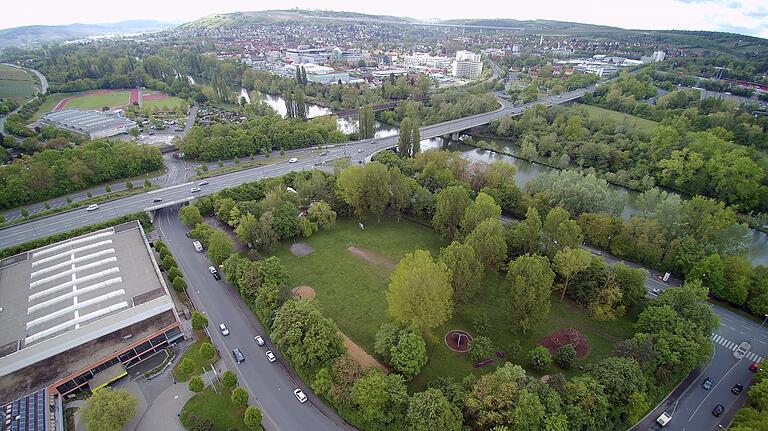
215 407
51 101
97 100
16 82
620 117
166 104
351 290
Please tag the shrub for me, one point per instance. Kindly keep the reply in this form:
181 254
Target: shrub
179 284
229 379
480 348
187 365
196 384
107 189
199 321
24 212
174 272
89 194
69 199
47 205
565 356
128 185
252 418
207 351
239 397
147 184
196 423
539 358
168 262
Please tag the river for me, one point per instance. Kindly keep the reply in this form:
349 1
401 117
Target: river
525 170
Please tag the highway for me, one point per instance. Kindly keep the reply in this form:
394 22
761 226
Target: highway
358 151
270 385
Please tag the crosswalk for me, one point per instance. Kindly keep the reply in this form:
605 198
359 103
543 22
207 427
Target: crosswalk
730 345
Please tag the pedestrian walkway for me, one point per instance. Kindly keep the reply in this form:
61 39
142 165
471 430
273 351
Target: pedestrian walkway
730 345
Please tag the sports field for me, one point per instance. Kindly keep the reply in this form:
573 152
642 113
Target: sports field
166 104
620 117
16 82
97 100
349 269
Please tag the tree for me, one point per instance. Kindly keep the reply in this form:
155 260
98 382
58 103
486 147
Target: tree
220 246
484 207
737 272
229 379
607 305
620 378
409 138
196 384
207 351
409 355
173 273
322 382
168 262
109 409
431 410
480 347
248 230
450 205
565 356
366 123
489 242
386 339
631 281
306 337
420 292
637 406
199 321
560 231
252 418
239 397
539 358
321 214
568 262
585 404
179 284
529 287
379 399
465 270
187 365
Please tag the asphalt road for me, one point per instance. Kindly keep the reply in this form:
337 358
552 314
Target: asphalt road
270 385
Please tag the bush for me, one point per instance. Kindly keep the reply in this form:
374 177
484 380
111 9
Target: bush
239 397
207 351
229 379
174 272
128 185
107 189
252 418
539 358
147 184
187 365
168 262
196 423
24 212
69 199
196 384
199 321
89 194
480 348
565 356
179 284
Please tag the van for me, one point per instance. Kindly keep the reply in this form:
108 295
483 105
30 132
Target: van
664 419
198 246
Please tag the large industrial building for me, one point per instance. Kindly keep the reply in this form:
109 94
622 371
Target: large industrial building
92 123
467 65
76 315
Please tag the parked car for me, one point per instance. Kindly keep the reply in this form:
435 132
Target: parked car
736 390
238 355
270 356
656 292
194 189
324 153
718 410
214 272
753 367
360 150
202 183
198 246
300 395
92 207
259 340
223 329
293 160
707 383
157 200
663 419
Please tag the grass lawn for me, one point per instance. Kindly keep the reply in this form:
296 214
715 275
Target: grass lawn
352 292
50 102
165 104
215 407
597 112
16 82
97 101
193 353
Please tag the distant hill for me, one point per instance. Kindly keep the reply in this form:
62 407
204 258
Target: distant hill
261 17
37 34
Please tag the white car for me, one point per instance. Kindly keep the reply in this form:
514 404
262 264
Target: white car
270 356
223 329
198 246
300 395
293 160
259 340
360 150
202 183
194 189
92 207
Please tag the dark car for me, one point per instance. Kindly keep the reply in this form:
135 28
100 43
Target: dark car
157 200
707 383
718 410
737 389
238 356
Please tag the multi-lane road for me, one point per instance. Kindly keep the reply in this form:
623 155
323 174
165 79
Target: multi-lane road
271 385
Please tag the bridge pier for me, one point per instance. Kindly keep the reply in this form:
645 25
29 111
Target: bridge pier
455 136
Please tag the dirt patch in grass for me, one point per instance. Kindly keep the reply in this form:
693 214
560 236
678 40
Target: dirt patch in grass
564 336
372 257
300 249
303 292
361 356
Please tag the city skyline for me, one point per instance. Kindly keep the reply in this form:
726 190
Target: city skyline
748 17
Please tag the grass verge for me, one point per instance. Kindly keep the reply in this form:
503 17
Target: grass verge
193 353
597 112
51 101
216 407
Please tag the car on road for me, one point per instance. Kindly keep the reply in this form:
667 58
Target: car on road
198 246
737 388
238 355
753 367
707 383
373 142
270 356
92 207
157 200
223 329
259 340
194 189
293 160
718 410
300 395
360 150
324 153
202 183
663 419
214 272
656 292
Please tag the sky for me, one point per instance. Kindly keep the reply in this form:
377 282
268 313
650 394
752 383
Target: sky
748 17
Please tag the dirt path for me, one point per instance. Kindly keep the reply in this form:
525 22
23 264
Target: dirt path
372 257
303 292
361 356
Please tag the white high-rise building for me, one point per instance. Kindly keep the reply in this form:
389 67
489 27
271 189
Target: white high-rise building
467 56
467 65
658 56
